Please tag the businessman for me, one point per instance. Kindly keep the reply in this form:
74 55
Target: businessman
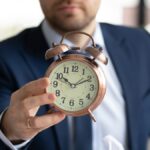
24 105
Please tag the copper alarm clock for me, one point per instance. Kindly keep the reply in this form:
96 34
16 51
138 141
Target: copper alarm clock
76 78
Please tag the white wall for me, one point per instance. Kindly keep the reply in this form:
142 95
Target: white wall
110 11
16 15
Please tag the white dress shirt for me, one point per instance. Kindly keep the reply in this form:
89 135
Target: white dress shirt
110 115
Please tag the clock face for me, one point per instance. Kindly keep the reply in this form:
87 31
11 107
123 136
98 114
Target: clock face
75 84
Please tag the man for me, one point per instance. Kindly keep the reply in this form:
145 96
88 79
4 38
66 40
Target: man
124 113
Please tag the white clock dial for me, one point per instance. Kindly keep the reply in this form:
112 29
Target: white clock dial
75 84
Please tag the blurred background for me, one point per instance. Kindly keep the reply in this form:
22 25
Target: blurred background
15 15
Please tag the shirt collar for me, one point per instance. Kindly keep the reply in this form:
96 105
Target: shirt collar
52 36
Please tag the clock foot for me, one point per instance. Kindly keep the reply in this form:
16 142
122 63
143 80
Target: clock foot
91 115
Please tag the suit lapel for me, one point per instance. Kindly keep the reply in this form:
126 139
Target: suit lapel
34 52
121 55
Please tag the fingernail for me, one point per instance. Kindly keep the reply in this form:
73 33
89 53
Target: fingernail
51 96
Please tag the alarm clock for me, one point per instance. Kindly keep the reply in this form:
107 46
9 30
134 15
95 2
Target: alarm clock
76 77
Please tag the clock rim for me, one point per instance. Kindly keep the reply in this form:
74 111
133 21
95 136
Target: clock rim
100 77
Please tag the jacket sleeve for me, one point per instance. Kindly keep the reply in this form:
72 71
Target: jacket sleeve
6 88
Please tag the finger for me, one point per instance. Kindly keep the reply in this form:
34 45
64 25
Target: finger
45 121
35 101
36 87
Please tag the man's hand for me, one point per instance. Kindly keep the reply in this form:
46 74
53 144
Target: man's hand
20 121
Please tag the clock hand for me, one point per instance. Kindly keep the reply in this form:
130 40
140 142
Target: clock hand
67 81
79 81
72 85
87 80
64 80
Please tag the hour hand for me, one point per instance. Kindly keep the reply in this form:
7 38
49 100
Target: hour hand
65 80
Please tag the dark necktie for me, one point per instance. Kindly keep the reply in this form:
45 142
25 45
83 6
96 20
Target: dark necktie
82 133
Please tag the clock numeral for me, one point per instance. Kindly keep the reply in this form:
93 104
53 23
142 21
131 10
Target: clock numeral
88 96
83 72
89 78
80 101
66 69
63 99
91 87
59 76
75 68
55 84
57 93
71 103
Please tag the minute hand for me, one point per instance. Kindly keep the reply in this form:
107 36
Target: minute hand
87 80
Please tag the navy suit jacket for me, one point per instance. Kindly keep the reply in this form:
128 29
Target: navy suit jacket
22 60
